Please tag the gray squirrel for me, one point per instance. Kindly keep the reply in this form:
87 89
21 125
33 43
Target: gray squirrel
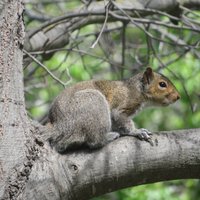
96 112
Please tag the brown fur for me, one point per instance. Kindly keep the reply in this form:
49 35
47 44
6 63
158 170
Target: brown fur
93 113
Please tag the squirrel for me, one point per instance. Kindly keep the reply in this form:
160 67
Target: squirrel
96 112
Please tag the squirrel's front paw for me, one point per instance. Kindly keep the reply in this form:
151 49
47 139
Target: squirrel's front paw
143 134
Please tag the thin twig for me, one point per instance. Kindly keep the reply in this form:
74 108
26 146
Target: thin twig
148 21
45 68
103 27
75 50
101 12
123 46
190 11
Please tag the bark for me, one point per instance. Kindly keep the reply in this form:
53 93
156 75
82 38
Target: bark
125 162
45 38
15 158
31 170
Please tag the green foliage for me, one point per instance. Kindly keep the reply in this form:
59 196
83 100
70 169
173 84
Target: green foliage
176 190
185 74
78 62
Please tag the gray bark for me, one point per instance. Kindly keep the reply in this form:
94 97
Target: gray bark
15 141
125 162
30 170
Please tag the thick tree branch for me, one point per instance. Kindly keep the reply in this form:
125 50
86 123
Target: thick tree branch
32 171
125 162
46 37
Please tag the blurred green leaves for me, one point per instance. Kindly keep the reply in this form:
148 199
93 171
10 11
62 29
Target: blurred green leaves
170 190
173 52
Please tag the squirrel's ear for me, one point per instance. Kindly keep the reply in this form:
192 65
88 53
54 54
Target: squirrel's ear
148 75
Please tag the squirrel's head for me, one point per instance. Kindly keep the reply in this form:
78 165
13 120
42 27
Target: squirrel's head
159 89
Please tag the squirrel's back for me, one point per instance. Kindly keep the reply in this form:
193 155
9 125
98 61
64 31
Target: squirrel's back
111 90
90 112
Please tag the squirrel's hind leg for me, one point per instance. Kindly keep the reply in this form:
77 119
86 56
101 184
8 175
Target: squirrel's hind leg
108 137
69 143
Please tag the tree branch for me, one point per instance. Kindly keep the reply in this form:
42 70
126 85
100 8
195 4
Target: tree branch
125 162
45 36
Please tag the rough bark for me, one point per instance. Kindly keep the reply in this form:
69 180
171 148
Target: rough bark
125 162
29 170
15 158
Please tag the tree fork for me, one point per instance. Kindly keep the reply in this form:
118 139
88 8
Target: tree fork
122 163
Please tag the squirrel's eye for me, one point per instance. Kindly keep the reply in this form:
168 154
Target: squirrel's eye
163 84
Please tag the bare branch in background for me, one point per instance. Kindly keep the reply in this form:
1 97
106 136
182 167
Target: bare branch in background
63 33
45 68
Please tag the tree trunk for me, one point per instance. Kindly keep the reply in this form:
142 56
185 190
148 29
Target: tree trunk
15 158
31 170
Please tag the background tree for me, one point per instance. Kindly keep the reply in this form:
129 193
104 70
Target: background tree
66 42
